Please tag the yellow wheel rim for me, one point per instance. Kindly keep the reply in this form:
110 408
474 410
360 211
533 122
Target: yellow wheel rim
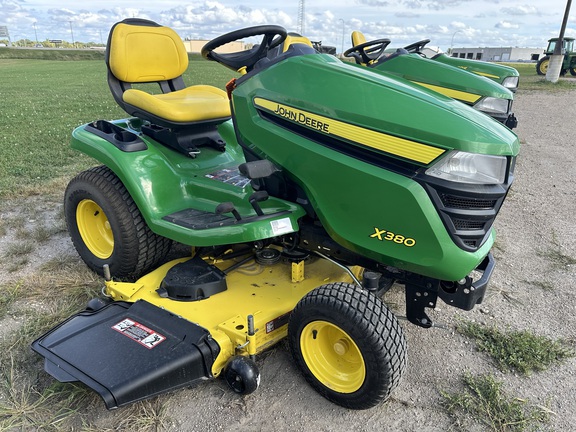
544 66
332 356
95 229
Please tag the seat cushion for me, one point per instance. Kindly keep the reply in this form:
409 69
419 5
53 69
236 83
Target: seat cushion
195 103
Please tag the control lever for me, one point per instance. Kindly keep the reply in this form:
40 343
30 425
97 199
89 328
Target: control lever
228 207
255 198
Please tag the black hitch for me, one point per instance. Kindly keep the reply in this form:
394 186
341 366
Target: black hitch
423 292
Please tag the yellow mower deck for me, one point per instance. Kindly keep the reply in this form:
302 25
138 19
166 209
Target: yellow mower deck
267 292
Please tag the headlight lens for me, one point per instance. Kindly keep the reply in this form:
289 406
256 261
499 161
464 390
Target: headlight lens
510 82
471 168
492 105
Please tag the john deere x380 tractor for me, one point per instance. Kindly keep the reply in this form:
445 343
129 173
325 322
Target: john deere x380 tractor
505 75
304 191
477 91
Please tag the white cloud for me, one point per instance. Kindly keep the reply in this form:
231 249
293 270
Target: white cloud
521 10
506 25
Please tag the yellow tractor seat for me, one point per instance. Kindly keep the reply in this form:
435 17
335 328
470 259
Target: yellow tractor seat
358 38
141 52
295 38
192 104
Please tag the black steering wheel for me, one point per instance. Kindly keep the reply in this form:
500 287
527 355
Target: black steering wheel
367 51
273 36
416 47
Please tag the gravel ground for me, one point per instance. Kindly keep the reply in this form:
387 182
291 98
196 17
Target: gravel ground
534 228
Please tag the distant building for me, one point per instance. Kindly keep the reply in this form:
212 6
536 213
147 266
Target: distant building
504 54
195 46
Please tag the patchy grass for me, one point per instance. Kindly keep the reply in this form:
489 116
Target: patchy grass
29 399
507 294
19 248
9 293
556 256
543 285
539 83
26 408
520 351
484 401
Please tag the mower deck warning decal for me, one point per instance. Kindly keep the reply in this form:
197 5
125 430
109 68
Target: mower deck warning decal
139 333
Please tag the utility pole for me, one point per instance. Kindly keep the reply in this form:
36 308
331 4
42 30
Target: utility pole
556 59
301 17
72 33
35 34
343 26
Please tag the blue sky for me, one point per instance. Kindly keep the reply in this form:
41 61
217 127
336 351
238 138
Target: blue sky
461 23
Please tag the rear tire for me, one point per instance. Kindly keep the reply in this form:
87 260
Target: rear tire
542 65
106 226
573 71
348 345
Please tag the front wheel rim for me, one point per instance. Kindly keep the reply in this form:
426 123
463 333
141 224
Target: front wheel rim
332 356
95 229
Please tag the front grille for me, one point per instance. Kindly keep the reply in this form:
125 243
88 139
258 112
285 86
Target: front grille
467 210
468 225
466 203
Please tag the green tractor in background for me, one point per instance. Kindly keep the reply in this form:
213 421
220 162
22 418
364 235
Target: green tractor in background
502 74
479 92
569 63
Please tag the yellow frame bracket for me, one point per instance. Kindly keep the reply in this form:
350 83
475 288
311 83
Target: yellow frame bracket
297 272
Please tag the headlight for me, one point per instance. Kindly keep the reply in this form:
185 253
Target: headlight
493 105
510 82
472 168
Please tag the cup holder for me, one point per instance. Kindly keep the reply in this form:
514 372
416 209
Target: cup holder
125 137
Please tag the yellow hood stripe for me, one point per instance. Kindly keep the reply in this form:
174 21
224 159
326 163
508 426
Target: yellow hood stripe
377 140
484 74
454 94
487 75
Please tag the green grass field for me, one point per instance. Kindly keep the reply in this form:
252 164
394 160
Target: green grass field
43 100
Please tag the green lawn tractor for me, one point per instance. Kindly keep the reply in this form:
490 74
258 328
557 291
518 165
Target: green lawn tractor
300 195
481 93
569 62
502 74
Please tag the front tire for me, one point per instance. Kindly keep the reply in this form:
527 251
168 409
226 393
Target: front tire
573 71
348 344
106 226
542 65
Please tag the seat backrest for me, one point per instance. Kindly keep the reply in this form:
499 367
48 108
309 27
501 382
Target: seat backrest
358 38
142 51
295 38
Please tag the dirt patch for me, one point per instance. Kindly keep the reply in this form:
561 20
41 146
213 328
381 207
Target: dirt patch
532 289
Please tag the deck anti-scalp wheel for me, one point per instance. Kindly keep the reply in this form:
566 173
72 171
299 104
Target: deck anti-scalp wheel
348 344
106 226
242 375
